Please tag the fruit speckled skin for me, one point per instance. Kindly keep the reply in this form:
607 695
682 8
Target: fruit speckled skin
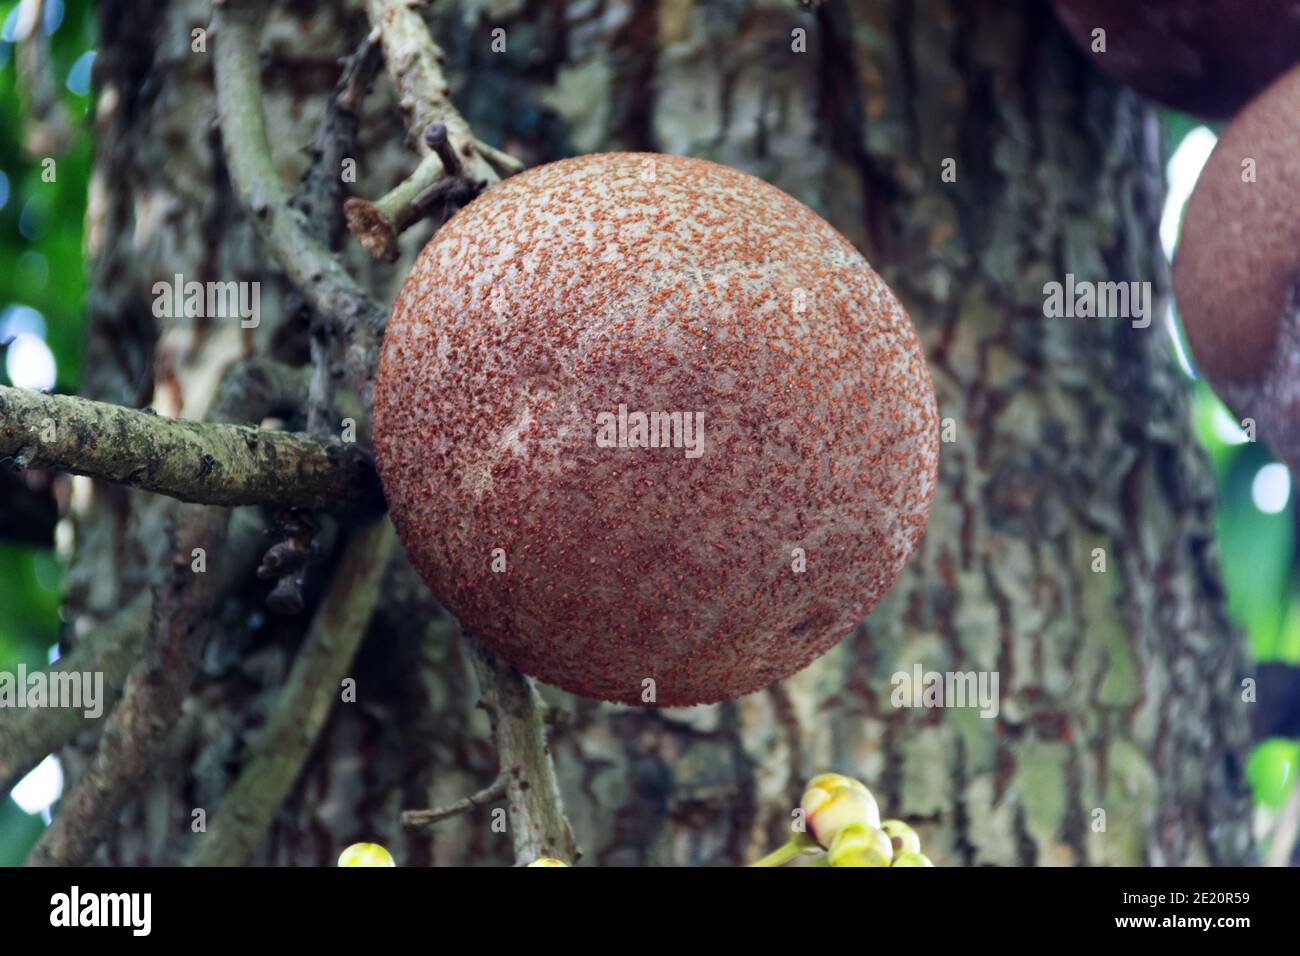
1237 267
1206 57
663 284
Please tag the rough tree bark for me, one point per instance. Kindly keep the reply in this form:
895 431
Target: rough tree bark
1119 688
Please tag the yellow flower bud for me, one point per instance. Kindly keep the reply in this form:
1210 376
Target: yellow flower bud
366 854
903 837
860 845
833 781
547 861
911 859
827 811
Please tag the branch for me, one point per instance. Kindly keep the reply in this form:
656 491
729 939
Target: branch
322 193
505 164
377 225
204 463
320 200
28 735
413 62
537 820
308 263
427 818
250 805
183 601
139 725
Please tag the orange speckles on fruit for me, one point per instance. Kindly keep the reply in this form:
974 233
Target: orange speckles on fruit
573 288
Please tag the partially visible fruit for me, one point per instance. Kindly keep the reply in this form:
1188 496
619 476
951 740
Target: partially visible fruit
547 861
1206 57
1237 268
911 859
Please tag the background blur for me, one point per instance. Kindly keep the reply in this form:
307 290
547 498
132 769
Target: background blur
41 332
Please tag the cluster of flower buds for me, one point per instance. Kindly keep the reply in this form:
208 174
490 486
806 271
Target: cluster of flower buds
841 819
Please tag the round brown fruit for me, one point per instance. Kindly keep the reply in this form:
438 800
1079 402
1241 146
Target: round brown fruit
1237 268
1206 57
670 285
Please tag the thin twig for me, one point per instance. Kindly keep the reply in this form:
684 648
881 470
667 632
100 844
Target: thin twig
204 463
305 703
321 202
378 224
427 818
439 184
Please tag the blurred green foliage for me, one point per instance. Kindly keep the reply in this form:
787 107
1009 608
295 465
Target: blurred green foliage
42 274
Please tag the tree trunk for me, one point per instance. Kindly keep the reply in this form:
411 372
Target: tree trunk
1069 447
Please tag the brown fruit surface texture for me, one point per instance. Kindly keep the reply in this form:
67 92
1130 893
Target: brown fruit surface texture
1206 57
1239 246
660 284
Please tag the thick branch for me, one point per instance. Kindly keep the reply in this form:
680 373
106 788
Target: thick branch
537 821
304 705
206 463
427 818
